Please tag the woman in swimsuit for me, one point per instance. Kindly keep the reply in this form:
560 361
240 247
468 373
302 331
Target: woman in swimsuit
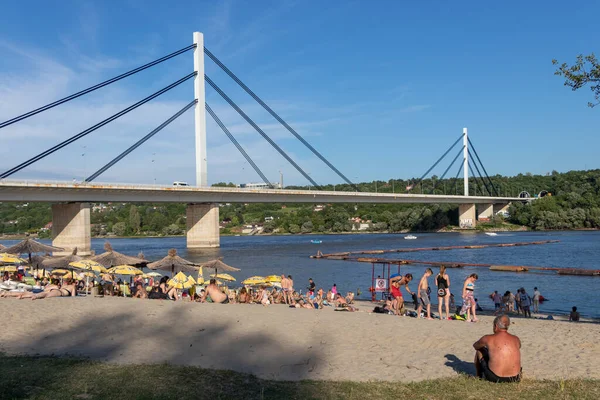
468 299
442 281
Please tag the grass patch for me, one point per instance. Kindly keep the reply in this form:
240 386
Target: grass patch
68 378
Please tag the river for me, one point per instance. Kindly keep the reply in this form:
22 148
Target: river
266 255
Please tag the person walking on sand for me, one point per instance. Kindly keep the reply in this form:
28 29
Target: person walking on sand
498 356
423 296
442 281
285 287
536 300
497 298
469 303
395 284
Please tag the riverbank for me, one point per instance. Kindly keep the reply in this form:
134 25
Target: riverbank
280 343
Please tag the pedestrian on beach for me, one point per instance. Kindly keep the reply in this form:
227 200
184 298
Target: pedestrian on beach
536 300
423 295
334 290
442 281
525 303
469 303
285 288
395 284
511 302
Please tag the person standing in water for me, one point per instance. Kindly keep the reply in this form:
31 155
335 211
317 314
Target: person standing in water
442 281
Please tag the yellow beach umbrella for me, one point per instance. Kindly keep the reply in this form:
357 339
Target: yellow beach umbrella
273 278
180 281
88 265
9 258
225 277
125 270
254 280
153 274
191 280
200 281
86 274
8 268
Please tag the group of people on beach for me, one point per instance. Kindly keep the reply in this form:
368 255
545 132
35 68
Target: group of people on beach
421 297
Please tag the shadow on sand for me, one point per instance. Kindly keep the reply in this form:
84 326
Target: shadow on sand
460 366
176 338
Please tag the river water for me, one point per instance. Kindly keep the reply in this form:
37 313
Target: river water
266 255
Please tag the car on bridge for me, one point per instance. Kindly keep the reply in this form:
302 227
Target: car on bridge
179 183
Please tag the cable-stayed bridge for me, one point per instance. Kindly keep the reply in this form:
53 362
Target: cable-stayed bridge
71 211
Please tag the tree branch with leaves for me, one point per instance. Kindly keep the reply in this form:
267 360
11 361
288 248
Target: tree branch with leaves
586 70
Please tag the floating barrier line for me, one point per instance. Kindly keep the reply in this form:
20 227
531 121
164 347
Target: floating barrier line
443 248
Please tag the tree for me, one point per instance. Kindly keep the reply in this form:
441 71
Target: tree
585 70
172 230
294 228
119 228
307 227
134 219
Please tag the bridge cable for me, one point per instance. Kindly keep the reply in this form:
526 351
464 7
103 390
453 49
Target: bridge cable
140 142
437 162
447 169
482 166
260 131
476 179
237 144
93 128
277 117
479 172
460 168
92 88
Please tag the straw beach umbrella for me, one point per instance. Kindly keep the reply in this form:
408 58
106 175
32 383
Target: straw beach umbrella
173 263
111 258
218 265
62 262
29 246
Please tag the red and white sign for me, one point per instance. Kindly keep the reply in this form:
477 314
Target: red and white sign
380 285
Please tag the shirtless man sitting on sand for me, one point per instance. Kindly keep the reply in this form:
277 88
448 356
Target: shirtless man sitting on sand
498 356
216 295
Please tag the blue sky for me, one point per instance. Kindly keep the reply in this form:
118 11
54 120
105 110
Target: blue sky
380 88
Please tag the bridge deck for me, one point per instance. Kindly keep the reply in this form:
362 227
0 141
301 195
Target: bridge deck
18 191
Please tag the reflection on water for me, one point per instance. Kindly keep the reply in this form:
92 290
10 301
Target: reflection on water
266 255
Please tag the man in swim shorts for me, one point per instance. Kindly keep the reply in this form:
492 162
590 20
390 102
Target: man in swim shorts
423 295
498 356
395 284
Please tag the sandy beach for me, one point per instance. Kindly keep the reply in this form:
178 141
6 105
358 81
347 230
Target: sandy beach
280 343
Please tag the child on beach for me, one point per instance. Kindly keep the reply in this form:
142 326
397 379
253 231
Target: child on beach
525 303
574 315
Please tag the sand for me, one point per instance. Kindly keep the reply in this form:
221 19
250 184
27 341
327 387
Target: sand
277 342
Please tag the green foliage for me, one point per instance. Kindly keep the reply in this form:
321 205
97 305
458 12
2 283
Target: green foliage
119 228
585 70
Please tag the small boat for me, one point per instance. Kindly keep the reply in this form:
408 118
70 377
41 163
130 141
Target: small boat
410 237
315 241
491 233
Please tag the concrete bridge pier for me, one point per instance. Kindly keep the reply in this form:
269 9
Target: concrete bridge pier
485 212
501 208
202 225
71 228
467 216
